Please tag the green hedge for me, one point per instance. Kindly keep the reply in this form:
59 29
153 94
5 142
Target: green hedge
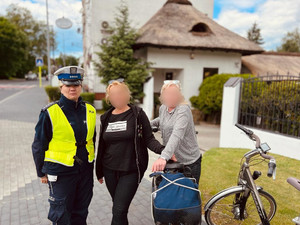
88 97
53 93
209 100
105 105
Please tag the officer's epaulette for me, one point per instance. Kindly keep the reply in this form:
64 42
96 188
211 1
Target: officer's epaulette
85 102
50 104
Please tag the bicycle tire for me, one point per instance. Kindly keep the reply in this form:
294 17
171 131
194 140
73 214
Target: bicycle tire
223 215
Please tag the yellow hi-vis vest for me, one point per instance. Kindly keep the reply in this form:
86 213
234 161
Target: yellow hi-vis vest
62 148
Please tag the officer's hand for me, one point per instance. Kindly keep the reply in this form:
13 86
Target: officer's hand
44 179
101 180
159 165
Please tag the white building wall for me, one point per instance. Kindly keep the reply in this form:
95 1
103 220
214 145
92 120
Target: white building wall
190 71
232 137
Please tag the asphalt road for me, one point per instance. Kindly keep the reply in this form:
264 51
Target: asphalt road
21 100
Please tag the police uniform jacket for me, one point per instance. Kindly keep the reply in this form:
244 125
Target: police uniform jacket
76 115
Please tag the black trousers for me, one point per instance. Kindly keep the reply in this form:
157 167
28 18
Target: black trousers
122 187
70 197
196 169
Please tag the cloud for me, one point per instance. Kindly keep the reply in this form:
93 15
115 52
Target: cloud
274 17
56 8
70 9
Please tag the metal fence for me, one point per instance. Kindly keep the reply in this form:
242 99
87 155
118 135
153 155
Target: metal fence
271 103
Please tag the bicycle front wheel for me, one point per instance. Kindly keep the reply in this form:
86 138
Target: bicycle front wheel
224 210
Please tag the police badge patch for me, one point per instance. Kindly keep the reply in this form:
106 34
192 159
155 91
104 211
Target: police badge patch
73 70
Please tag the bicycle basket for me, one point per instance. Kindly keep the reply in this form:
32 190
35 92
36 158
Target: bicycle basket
177 200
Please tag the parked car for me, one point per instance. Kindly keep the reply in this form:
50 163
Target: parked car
31 76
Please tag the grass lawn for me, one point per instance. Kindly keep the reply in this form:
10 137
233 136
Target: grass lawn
220 167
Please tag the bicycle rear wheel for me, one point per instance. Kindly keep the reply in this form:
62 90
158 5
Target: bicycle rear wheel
224 211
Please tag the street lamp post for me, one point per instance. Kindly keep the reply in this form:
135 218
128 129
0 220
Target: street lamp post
63 23
48 45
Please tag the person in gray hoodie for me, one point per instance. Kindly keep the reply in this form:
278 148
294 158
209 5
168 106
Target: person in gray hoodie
177 128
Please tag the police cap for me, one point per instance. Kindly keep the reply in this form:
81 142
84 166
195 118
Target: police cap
70 75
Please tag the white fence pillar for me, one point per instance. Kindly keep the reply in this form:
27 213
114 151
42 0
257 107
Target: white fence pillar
230 106
148 102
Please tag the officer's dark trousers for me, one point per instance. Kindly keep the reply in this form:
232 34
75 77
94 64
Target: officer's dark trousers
122 187
70 197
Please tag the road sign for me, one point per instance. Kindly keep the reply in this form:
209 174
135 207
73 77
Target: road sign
39 61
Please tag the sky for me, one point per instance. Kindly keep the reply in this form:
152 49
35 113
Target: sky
274 17
69 41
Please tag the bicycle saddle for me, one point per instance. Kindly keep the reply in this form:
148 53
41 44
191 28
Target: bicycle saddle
294 182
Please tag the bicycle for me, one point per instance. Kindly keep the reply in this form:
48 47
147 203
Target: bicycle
296 184
234 205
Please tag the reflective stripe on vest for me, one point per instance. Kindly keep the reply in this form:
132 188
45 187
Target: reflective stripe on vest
62 147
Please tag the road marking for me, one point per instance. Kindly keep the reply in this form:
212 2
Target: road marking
12 96
8 86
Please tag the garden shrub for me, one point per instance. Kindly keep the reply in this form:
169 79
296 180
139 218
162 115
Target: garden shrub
209 100
53 93
88 97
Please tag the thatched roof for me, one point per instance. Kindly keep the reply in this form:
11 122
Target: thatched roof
273 63
179 25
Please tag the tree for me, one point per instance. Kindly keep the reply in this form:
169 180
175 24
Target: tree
36 32
13 44
69 60
290 42
117 56
254 34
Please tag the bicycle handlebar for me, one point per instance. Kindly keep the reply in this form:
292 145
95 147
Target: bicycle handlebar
272 162
250 134
272 167
247 131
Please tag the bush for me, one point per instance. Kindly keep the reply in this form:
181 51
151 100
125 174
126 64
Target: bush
88 97
209 100
53 93
105 105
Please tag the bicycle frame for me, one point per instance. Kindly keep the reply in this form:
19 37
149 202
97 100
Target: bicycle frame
245 187
246 180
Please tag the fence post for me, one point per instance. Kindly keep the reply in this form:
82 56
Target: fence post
230 106
148 102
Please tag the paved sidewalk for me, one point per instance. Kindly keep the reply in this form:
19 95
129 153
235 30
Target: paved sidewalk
23 199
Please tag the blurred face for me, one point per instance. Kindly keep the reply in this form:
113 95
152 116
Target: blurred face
71 92
118 96
171 96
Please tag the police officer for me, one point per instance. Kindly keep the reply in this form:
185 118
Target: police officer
63 150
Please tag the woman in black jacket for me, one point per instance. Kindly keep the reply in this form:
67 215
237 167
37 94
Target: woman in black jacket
122 159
